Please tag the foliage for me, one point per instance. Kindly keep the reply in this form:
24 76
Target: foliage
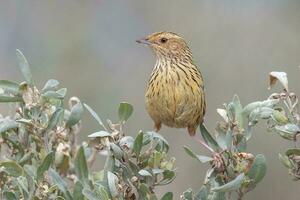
285 122
233 170
40 157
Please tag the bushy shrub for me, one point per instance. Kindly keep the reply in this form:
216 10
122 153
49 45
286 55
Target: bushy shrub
41 157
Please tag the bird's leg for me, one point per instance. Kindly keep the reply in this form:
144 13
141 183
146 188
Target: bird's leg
192 133
157 126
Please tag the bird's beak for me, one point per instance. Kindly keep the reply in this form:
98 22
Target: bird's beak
143 41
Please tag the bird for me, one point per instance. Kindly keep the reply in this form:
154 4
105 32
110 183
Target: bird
175 92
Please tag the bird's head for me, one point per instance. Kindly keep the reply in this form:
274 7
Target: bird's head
167 45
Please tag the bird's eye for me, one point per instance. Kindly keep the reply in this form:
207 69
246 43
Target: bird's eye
163 40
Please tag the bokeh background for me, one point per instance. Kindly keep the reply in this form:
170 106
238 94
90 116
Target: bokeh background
89 46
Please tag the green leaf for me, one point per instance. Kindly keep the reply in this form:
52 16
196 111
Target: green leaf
202 159
81 168
125 111
95 115
48 160
7 124
9 195
24 67
143 172
9 86
99 134
279 117
230 186
143 190
138 144
112 184
76 114
167 196
60 183
285 161
55 118
294 151
77 193
168 177
12 168
208 138
51 84
258 169
6 98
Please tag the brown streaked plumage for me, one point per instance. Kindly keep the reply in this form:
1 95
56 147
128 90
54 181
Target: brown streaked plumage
175 93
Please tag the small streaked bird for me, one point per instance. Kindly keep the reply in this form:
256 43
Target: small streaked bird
175 93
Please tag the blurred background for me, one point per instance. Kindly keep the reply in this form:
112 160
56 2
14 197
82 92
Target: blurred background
89 46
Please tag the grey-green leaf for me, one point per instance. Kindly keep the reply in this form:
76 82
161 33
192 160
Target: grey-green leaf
287 131
24 67
117 151
127 142
76 114
153 135
50 85
285 161
258 169
4 98
60 183
22 182
208 138
125 111
202 194
54 94
100 134
55 118
12 168
9 86
238 109
95 115
202 159
112 182
144 172
90 195
7 124
48 160
232 185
